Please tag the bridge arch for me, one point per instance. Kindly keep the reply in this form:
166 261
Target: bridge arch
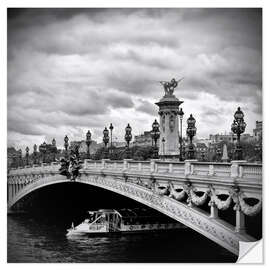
196 219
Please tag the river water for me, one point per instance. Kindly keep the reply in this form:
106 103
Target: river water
41 240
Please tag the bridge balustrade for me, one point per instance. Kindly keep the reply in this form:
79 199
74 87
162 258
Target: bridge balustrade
133 165
202 169
162 166
145 166
250 171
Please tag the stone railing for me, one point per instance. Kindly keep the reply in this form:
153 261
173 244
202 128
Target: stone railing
44 167
188 168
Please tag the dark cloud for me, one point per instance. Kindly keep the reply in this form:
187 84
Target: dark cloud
78 67
147 107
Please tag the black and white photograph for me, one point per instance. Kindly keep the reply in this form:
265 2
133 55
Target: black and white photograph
134 135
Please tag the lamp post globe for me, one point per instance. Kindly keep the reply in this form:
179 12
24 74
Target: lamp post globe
155 134
191 132
128 138
238 127
88 142
106 140
181 115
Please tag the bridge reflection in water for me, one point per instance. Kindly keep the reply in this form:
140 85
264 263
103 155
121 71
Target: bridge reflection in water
180 190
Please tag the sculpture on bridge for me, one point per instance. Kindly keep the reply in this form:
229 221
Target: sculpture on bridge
170 86
70 168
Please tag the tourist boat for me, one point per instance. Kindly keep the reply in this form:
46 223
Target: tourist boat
106 221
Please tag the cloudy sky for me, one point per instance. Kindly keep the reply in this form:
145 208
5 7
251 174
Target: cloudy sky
70 70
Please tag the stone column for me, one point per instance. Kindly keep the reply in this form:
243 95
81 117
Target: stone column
103 162
235 167
169 126
153 165
126 167
188 166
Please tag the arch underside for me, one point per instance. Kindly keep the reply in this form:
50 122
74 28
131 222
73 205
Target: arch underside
215 229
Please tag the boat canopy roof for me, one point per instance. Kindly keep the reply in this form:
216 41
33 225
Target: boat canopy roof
128 213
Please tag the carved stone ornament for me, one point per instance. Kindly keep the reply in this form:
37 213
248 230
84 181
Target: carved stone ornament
172 123
163 123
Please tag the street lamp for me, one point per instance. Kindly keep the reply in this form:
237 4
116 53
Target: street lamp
42 149
191 132
181 114
155 134
203 154
111 129
183 149
20 158
35 153
128 137
106 140
238 127
88 142
27 155
218 152
54 148
258 150
66 145
163 147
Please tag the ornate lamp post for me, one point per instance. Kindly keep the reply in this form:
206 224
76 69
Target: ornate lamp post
258 150
191 132
203 155
181 114
163 147
35 153
106 140
184 149
128 137
66 139
54 148
27 155
218 152
155 134
88 142
20 158
238 127
111 129
42 149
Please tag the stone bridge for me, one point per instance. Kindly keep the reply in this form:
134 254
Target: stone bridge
176 189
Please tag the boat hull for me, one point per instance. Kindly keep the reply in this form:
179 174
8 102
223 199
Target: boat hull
127 230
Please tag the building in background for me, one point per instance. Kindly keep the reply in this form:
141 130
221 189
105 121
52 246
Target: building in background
144 139
216 138
13 157
82 146
257 132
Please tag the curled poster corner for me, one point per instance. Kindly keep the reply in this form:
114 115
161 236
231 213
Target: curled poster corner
250 252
